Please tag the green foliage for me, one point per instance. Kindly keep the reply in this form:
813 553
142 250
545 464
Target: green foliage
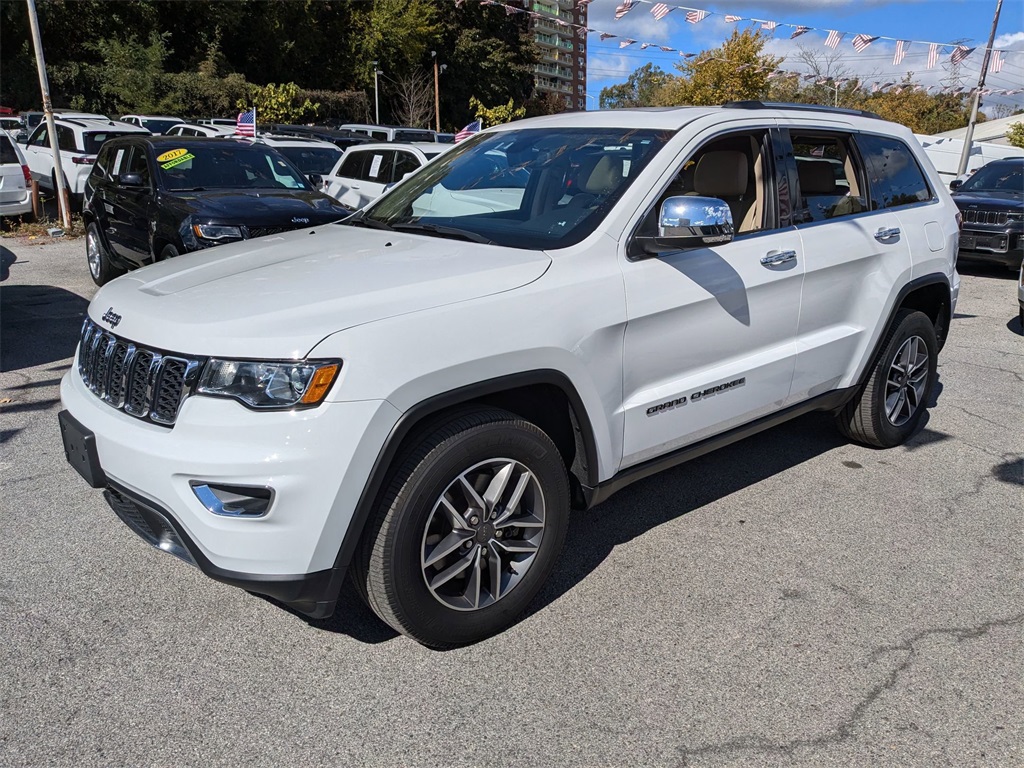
548 103
503 113
639 90
394 33
131 74
279 104
1015 134
734 71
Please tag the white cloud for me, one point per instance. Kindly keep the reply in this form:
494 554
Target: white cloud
1013 40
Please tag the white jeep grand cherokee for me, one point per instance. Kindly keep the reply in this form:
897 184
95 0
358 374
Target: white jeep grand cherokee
417 396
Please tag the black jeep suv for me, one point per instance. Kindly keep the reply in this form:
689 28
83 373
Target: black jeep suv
153 197
991 203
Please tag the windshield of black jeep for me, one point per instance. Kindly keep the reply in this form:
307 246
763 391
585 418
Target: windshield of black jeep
222 164
997 177
530 188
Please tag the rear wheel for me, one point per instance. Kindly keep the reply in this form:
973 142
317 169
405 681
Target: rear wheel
100 266
467 531
889 407
168 252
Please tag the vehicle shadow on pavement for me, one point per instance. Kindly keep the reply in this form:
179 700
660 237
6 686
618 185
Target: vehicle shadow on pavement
6 259
351 617
41 324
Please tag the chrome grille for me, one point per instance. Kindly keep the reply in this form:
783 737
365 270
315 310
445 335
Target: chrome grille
144 383
972 216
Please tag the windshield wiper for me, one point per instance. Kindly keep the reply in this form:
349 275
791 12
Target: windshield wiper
434 229
361 220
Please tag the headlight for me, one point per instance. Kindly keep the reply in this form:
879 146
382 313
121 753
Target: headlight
269 384
217 232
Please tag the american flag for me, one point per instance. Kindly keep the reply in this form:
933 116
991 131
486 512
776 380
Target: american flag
645 46
960 53
607 36
769 25
729 19
666 49
901 51
581 33
996 63
860 42
660 11
245 125
626 43
933 55
799 31
468 131
695 17
623 8
834 36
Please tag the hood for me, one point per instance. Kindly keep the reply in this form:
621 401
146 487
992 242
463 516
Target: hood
261 207
277 297
1008 200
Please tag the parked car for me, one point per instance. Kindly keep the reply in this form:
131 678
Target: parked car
341 139
221 121
991 203
365 171
1020 298
415 401
313 157
33 119
195 129
150 198
15 179
390 132
152 123
79 141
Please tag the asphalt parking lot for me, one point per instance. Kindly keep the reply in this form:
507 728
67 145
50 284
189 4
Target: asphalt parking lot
790 600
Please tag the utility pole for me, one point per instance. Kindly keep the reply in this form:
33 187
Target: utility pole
44 87
376 99
965 154
437 95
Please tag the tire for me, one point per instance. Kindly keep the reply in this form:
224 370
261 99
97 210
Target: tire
167 252
889 407
442 560
101 268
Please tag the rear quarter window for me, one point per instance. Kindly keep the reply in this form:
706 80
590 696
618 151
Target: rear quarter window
895 177
7 154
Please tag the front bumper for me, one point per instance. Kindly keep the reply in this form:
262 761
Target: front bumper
994 246
317 462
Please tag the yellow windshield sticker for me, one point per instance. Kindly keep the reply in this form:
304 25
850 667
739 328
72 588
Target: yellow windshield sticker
177 160
172 155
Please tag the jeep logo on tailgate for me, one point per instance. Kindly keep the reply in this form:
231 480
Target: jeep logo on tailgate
110 316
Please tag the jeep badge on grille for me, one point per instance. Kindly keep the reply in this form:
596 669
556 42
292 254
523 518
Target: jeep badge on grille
110 316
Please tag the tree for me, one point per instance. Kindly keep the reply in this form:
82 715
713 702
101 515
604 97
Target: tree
827 81
279 103
414 100
503 113
1015 134
639 90
546 103
910 105
131 76
735 71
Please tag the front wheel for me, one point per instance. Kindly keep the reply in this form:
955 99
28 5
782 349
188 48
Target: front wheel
100 267
468 530
888 409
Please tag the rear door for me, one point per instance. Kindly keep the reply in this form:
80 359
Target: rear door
39 156
12 178
854 249
363 176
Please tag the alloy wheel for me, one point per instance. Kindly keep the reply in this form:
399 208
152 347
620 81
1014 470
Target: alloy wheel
905 383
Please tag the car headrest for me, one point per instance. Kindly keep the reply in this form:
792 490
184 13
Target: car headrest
722 173
817 177
605 176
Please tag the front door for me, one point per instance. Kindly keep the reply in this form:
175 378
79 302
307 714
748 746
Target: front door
710 341
129 208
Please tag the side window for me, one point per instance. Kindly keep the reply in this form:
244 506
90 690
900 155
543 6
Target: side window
353 164
66 139
7 154
137 164
405 162
896 178
102 168
379 135
380 167
41 139
830 181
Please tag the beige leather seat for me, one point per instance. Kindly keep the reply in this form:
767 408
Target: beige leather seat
723 174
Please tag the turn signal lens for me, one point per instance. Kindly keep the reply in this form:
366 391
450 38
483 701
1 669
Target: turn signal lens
322 380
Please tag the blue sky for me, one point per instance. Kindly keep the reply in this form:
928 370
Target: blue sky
925 20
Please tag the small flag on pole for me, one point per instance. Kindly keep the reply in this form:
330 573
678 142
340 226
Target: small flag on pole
769 25
623 8
695 17
834 36
960 53
245 125
933 55
660 11
860 42
468 131
996 62
901 51
729 19
799 31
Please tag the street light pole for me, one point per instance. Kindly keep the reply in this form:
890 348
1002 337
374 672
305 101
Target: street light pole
376 100
965 153
437 95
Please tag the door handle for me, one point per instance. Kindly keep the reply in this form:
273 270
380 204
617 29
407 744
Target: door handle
774 258
887 232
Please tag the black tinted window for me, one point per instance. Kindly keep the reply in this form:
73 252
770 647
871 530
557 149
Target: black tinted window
40 139
997 177
893 173
311 159
66 139
405 162
137 164
101 170
93 141
352 165
7 153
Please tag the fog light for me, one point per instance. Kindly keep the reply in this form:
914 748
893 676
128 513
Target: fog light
234 500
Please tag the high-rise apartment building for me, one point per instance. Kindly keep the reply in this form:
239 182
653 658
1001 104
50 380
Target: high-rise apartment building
563 53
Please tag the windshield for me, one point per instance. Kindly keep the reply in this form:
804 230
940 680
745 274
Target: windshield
226 165
530 188
153 125
996 177
312 159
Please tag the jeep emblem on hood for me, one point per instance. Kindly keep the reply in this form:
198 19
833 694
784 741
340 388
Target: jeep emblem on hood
110 316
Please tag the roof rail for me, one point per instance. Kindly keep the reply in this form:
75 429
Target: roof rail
754 104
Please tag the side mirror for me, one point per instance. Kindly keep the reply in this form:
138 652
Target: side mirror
316 180
955 184
690 222
131 180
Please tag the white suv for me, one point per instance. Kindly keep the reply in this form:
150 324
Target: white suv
418 396
365 171
79 141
